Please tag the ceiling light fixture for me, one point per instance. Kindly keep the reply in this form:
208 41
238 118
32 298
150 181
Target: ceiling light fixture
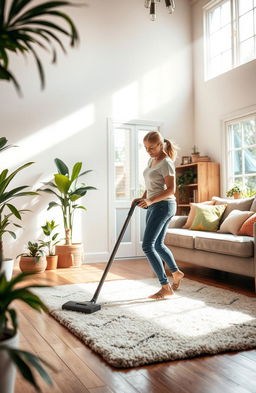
151 4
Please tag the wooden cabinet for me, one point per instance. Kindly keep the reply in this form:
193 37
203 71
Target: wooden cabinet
196 182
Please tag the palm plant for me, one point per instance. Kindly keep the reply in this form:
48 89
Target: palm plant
22 29
66 189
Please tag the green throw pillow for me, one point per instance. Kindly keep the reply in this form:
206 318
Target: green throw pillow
207 217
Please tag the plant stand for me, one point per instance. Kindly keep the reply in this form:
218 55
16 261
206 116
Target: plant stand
69 256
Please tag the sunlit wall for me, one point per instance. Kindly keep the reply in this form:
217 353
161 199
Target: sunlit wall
126 67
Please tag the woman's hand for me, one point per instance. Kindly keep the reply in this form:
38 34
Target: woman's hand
144 203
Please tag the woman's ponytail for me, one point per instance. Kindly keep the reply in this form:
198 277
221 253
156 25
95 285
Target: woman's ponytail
170 149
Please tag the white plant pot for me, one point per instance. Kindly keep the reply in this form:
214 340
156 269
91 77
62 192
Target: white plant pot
7 267
8 369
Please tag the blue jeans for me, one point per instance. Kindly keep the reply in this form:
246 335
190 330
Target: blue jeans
158 217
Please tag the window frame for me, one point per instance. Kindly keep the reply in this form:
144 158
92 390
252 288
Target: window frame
226 155
235 42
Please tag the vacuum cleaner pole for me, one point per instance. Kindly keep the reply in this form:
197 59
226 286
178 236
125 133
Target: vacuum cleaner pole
91 306
112 256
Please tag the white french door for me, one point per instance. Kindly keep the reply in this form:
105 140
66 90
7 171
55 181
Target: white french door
127 160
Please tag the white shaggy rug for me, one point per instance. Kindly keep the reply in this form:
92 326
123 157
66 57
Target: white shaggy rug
131 330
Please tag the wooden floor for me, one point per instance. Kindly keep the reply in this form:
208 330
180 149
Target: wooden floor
82 371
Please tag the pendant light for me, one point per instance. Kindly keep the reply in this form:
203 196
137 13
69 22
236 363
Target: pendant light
151 5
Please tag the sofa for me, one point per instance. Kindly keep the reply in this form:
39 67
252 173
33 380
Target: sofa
222 251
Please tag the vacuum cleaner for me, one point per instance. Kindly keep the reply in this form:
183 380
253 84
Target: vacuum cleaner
91 306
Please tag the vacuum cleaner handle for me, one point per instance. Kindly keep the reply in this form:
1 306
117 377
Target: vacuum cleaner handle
112 256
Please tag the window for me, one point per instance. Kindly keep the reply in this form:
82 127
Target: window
242 153
230 34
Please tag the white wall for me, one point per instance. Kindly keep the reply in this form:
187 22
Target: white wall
216 99
126 67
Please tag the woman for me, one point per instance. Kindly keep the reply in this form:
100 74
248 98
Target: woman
160 201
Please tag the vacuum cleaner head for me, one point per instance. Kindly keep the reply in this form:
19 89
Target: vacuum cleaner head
85 307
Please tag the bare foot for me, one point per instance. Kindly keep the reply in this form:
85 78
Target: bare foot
165 292
177 277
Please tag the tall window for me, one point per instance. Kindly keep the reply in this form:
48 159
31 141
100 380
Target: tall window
230 34
242 153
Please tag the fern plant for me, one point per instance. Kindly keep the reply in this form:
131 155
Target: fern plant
24 28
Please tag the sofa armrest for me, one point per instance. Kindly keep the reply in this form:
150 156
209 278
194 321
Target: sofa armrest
178 221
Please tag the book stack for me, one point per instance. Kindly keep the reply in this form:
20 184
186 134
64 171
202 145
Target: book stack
203 158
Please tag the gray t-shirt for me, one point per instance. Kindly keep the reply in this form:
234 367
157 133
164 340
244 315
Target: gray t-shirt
154 177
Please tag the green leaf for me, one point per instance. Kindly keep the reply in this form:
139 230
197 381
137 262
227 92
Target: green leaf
62 167
76 170
14 210
52 204
12 234
63 183
3 142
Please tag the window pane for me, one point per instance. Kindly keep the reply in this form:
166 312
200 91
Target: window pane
215 43
121 215
250 160
143 160
122 163
244 6
246 26
249 127
247 50
237 162
225 13
250 183
225 38
214 20
236 135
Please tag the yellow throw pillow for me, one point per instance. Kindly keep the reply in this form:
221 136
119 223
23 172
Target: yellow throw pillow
192 212
207 218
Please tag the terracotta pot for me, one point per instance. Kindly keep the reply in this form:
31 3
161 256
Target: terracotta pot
52 261
237 195
195 157
31 264
8 369
69 256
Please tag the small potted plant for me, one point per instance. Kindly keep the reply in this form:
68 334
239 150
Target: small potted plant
195 154
236 191
50 243
66 189
34 260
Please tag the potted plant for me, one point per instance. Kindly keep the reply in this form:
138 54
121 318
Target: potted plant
183 179
236 191
195 154
66 189
34 261
51 257
10 356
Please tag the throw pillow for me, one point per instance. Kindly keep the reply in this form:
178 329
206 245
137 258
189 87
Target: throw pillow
234 221
192 212
207 218
232 204
247 227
